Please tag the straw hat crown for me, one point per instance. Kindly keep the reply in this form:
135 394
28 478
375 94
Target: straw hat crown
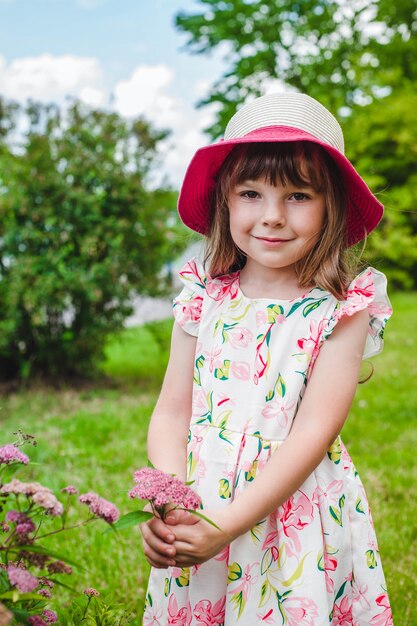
295 110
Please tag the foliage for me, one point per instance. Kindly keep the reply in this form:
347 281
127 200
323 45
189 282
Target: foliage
31 572
80 234
383 143
338 51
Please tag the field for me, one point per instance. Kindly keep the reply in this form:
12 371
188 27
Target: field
94 437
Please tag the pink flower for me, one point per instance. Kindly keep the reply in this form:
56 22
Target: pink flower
342 613
359 595
50 617
261 318
22 579
297 514
152 616
280 409
188 310
161 488
176 616
310 345
70 490
240 370
208 614
300 611
45 593
328 495
213 358
218 288
46 499
267 618
100 507
247 581
58 567
5 616
90 592
384 618
36 620
239 336
11 454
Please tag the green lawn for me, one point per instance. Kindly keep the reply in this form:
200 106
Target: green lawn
94 438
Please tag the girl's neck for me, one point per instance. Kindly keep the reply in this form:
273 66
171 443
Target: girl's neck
264 282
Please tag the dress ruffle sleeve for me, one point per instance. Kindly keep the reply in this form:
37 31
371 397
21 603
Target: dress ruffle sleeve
367 291
188 304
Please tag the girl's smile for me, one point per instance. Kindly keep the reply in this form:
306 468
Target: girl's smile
275 226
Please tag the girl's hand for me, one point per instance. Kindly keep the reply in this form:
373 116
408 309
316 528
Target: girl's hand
198 540
157 542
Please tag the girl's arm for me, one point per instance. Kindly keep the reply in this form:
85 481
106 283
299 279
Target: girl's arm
167 437
319 420
169 425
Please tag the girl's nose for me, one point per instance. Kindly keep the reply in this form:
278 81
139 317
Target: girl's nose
274 213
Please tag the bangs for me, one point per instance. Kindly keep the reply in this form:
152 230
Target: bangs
296 163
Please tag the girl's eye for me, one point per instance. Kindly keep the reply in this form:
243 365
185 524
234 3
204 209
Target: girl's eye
249 194
298 196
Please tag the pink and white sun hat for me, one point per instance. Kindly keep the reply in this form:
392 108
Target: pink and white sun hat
277 118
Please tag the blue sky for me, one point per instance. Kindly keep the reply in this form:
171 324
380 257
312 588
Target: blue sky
124 54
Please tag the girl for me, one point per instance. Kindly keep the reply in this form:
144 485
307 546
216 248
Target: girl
266 352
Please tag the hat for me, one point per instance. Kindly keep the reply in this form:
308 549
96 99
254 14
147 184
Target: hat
277 118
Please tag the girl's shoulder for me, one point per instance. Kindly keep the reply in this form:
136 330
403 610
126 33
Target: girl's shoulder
368 290
197 284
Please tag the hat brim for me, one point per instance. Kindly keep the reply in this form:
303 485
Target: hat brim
364 211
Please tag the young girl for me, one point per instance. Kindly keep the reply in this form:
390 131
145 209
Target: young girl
265 359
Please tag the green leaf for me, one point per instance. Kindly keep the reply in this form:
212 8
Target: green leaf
132 519
224 489
336 514
234 572
312 306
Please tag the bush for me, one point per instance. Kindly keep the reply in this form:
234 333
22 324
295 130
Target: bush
79 235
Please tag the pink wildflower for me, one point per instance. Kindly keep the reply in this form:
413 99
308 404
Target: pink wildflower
49 616
59 567
22 579
45 593
36 620
5 528
46 582
161 489
11 454
100 508
70 490
90 592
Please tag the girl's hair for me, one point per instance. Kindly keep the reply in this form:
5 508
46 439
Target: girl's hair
329 264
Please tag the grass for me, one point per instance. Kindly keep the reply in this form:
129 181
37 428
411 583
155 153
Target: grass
94 438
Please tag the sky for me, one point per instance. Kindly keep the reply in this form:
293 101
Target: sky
124 55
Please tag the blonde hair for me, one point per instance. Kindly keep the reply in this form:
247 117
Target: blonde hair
330 263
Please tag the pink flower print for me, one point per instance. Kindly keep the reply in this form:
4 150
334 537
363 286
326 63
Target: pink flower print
328 495
359 595
380 309
297 514
267 618
152 616
223 555
192 271
178 617
310 345
342 613
246 582
330 565
213 358
261 318
240 370
208 614
218 288
384 618
359 295
279 409
239 337
300 611
188 310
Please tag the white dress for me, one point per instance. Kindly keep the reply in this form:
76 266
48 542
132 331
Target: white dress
314 560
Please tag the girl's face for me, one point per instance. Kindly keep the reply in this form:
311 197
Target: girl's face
275 226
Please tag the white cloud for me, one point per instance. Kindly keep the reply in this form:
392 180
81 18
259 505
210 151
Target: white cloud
149 93
48 78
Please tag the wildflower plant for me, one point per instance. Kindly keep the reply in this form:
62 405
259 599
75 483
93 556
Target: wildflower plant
30 513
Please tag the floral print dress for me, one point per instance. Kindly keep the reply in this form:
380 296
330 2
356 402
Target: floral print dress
314 560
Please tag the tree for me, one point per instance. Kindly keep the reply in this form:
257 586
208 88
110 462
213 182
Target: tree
338 51
79 234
